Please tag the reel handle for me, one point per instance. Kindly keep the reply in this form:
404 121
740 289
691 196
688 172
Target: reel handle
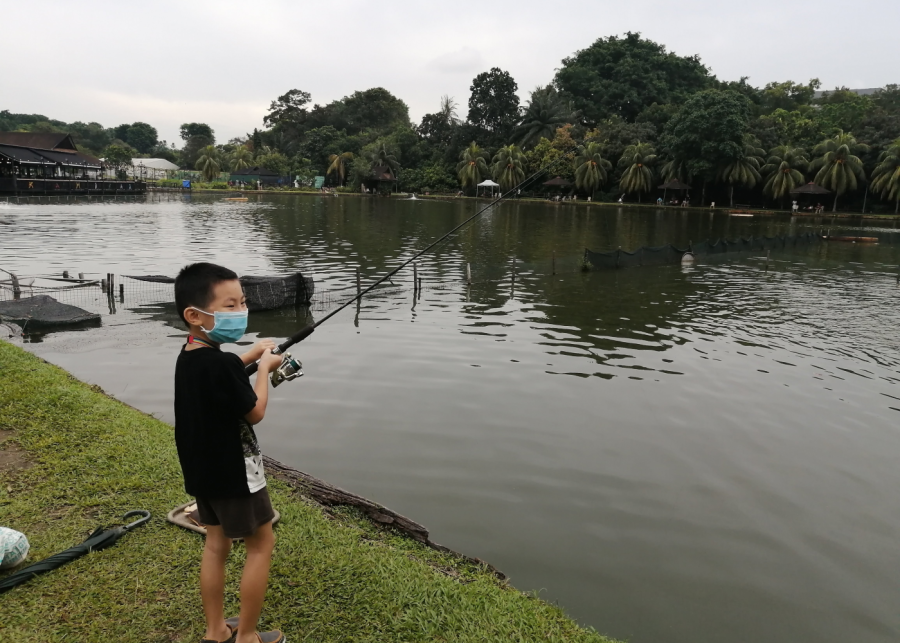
297 337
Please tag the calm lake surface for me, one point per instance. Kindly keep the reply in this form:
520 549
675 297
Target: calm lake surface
672 454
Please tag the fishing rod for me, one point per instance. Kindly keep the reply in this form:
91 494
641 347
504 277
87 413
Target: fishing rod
291 368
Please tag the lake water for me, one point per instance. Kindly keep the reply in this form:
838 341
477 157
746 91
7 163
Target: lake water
678 454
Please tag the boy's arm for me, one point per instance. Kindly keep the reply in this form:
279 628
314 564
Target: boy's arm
267 364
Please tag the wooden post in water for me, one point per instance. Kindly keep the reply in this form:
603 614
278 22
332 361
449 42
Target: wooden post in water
103 285
65 274
358 283
17 290
469 273
81 276
415 278
122 293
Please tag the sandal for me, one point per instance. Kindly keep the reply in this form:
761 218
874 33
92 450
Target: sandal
231 637
275 636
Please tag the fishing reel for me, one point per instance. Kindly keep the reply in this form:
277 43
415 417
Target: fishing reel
289 369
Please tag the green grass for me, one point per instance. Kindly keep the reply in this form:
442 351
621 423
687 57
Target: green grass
334 577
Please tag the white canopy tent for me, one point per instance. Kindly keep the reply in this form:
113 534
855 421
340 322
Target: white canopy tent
151 168
487 183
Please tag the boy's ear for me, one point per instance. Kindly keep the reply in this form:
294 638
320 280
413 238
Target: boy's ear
192 317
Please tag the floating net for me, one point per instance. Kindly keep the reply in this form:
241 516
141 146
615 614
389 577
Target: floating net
669 254
263 293
43 310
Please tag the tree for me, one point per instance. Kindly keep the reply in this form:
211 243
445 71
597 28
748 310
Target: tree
241 157
557 154
338 165
381 157
785 170
546 111
743 170
208 163
288 110
886 177
472 167
624 76
194 130
676 169
788 96
493 104
140 136
637 162
708 132
373 109
591 169
508 167
119 158
439 127
837 167
274 161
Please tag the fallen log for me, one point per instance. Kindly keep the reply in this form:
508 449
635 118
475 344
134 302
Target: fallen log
329 496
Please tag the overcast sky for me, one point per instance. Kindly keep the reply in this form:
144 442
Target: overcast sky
222 62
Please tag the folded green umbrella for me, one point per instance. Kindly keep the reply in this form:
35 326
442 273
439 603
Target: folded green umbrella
100 539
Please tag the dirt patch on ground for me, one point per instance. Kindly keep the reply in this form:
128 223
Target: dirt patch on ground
12 458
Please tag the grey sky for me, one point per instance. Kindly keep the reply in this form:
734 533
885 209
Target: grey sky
222 62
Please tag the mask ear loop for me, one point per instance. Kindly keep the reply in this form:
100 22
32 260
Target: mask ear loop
206 313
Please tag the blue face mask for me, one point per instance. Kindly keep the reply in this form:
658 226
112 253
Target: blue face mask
228 328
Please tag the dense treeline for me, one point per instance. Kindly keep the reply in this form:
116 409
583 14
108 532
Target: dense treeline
625 113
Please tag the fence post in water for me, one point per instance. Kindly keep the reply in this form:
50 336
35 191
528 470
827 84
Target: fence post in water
618 252
103 285
358 283
415 278
469 274
65 274
81 276
17 290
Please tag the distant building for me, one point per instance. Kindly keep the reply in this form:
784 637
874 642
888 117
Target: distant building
151 168
380 179
45 155
48 163
858 92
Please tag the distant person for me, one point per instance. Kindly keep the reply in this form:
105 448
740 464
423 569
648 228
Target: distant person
621 197
216 408
659 201
712 205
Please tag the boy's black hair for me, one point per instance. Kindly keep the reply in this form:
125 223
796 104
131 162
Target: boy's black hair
194 285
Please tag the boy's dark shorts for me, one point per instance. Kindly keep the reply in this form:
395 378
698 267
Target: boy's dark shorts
239 516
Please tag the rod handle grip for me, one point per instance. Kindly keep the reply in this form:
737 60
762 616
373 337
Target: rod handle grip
297 337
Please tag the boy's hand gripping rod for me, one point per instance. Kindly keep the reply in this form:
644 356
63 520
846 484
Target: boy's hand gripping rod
305 332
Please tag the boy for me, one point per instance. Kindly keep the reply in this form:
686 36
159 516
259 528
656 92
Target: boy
215 410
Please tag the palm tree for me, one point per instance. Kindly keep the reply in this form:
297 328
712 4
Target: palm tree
471 167
744 170
208 162
381 157
509 164
545 113
591 169
839 169
785 169
448 110
339 165
886 177
676 169
637 177
241 158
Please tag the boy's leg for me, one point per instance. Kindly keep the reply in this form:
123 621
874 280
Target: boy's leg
254 581
212 583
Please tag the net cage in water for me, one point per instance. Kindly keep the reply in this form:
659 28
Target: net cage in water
43 310
669 254
262 293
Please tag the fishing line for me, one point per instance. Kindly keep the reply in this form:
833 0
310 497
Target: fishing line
305 332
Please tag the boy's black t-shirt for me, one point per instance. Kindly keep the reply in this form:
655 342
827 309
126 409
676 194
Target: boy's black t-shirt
212 396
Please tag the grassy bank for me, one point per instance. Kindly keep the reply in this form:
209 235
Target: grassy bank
75 458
